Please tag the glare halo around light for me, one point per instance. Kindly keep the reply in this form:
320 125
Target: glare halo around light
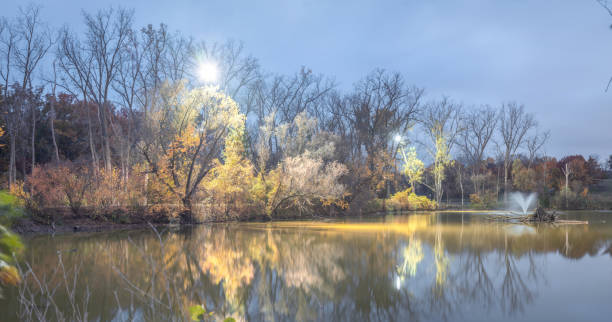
208 72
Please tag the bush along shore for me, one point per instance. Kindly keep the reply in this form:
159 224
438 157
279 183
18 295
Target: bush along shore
69 197
33 219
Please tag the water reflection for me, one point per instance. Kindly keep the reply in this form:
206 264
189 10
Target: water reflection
416 267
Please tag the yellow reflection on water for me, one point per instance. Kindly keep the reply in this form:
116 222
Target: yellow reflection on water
406 225
280 267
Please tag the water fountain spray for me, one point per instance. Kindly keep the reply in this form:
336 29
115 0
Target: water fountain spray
524 200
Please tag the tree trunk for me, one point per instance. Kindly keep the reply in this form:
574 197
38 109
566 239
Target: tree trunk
105 141
567 171
475 183
461 186
33 137
24 144
447 200
505 181
566 186
12 167
92 149
146 184
186 215
497 185
53 131
107 150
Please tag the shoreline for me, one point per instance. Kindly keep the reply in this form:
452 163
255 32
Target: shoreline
28 227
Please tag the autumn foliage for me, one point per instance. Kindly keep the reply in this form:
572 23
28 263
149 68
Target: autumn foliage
72 187
195 167
408 200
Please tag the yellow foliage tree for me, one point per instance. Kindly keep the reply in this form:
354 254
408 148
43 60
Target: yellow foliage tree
413 167
442 161
185 134
230 183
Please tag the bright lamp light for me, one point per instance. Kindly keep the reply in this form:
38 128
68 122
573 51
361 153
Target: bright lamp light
208 72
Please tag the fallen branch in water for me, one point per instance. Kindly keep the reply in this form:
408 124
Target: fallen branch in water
540 215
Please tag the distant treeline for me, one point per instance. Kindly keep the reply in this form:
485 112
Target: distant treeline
120 117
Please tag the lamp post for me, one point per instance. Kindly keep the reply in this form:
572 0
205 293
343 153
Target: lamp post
400 143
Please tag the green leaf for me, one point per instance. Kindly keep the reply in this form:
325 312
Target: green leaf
197 312
230 319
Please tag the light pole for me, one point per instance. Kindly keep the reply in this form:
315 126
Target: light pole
400 143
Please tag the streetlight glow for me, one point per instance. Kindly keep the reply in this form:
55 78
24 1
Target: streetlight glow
208 72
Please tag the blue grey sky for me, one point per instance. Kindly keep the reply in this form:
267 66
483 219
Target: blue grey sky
554 56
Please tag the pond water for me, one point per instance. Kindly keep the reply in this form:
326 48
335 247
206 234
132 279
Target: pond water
417 267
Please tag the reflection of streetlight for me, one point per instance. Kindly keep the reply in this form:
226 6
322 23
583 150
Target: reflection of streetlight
208 72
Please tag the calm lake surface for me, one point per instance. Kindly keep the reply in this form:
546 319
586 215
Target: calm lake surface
414 267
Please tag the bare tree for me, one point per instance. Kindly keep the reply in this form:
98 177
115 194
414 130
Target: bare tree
514 124
567 171
34 41
442 122
76 68
280 100
93 65
107 34
154 44
12 117
604 4
179 58
480 125
52 116
127 84
237 70
535 143
380 107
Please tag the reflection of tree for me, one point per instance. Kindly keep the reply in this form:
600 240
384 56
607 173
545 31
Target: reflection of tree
229 265
413 255
515 293
476 281
443 300
316 271
441 261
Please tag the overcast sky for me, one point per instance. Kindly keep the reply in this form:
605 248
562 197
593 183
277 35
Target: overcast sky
554 56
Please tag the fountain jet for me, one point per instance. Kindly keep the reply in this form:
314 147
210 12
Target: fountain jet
523 200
